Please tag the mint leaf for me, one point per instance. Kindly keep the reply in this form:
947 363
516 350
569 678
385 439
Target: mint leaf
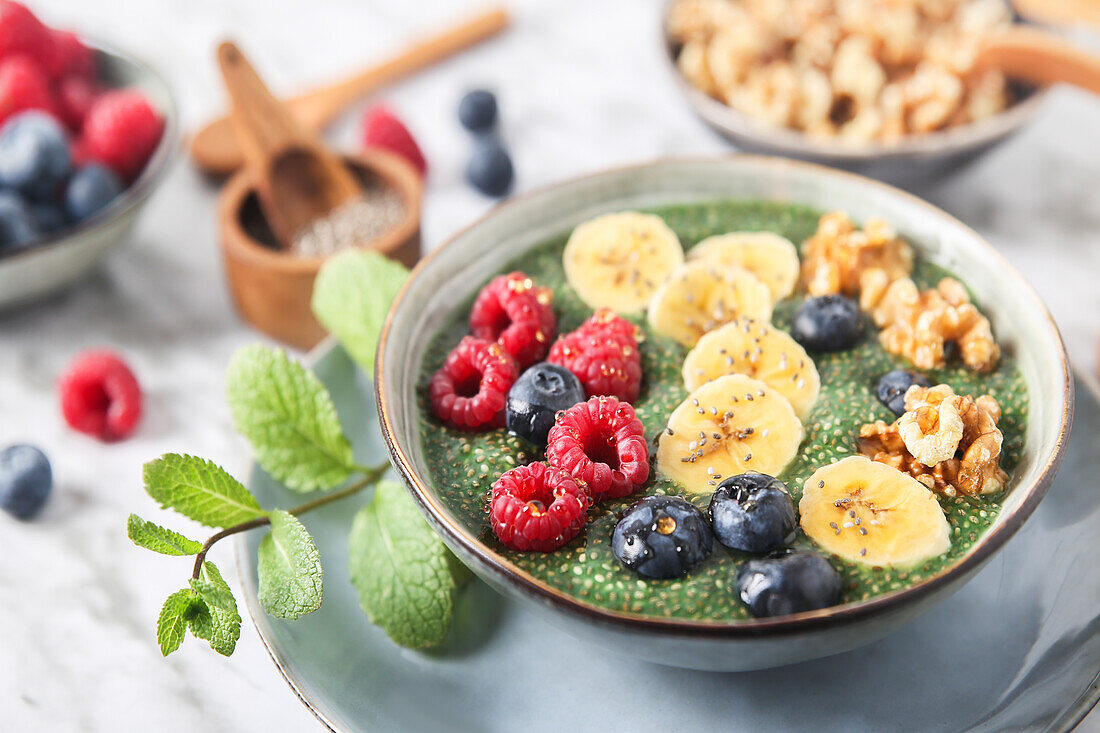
224 627
199 489
401 569
289 569
158 539
288 416
174 616
351 296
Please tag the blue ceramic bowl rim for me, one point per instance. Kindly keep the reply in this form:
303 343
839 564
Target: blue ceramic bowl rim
140 189
530 587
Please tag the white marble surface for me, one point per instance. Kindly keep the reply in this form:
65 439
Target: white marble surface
581 88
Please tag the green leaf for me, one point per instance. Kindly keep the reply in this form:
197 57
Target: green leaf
289 569
201 490
288 416
180 607
351 296
158 539
401 569
224 627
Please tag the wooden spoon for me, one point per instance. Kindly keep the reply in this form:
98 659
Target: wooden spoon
1039 57
215 150
297 179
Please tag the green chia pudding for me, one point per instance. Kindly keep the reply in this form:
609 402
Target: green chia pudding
464 465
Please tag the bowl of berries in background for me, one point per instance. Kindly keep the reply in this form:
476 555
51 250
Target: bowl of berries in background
86 134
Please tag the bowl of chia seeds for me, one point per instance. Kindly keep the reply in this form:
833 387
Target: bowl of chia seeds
698 619
272 286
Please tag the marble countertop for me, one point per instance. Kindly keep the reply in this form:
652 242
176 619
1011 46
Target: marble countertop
581 88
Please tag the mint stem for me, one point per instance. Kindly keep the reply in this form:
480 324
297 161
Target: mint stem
370 477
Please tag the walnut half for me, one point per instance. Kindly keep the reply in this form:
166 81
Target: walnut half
839 257
919 324
974 466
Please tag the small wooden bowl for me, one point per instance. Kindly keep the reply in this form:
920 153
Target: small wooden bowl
271 288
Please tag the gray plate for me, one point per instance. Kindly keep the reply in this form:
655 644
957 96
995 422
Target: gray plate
1017 649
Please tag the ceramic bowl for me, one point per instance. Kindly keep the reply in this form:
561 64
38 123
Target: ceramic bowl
63 257
454 272
912 161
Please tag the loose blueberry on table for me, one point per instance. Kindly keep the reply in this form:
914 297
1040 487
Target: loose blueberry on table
25 480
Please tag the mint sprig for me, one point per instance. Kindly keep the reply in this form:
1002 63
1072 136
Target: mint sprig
158 539
405 577
288 417
401 569
351 297
289 567
199 490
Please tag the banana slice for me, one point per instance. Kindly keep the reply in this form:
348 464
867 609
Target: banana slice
700 297
727 427
873 514
767 255
759 350
618 260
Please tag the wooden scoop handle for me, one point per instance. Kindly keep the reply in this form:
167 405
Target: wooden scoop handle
1042 58
215 150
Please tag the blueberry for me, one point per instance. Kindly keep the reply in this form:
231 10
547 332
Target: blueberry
536 398
478 110
25 480
48 217
34 154
753 512
18 227
661 537
90 189
893 386
828 323
788 581
490 169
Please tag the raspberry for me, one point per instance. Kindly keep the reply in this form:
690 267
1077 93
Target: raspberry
75 96
601 443
100 396
122 130
69 56
603 354
537 507
23 85
512 311
470 390
382 129
22 33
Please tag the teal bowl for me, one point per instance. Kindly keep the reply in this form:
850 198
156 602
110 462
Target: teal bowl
453 273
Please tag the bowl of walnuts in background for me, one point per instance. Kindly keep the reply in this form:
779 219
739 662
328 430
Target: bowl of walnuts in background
886 89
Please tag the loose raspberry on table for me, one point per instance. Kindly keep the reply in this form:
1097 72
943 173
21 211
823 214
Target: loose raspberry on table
470 390
601 443
603 354
23 85
382 129
100 396
122 131
516 313
22 33
537 507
